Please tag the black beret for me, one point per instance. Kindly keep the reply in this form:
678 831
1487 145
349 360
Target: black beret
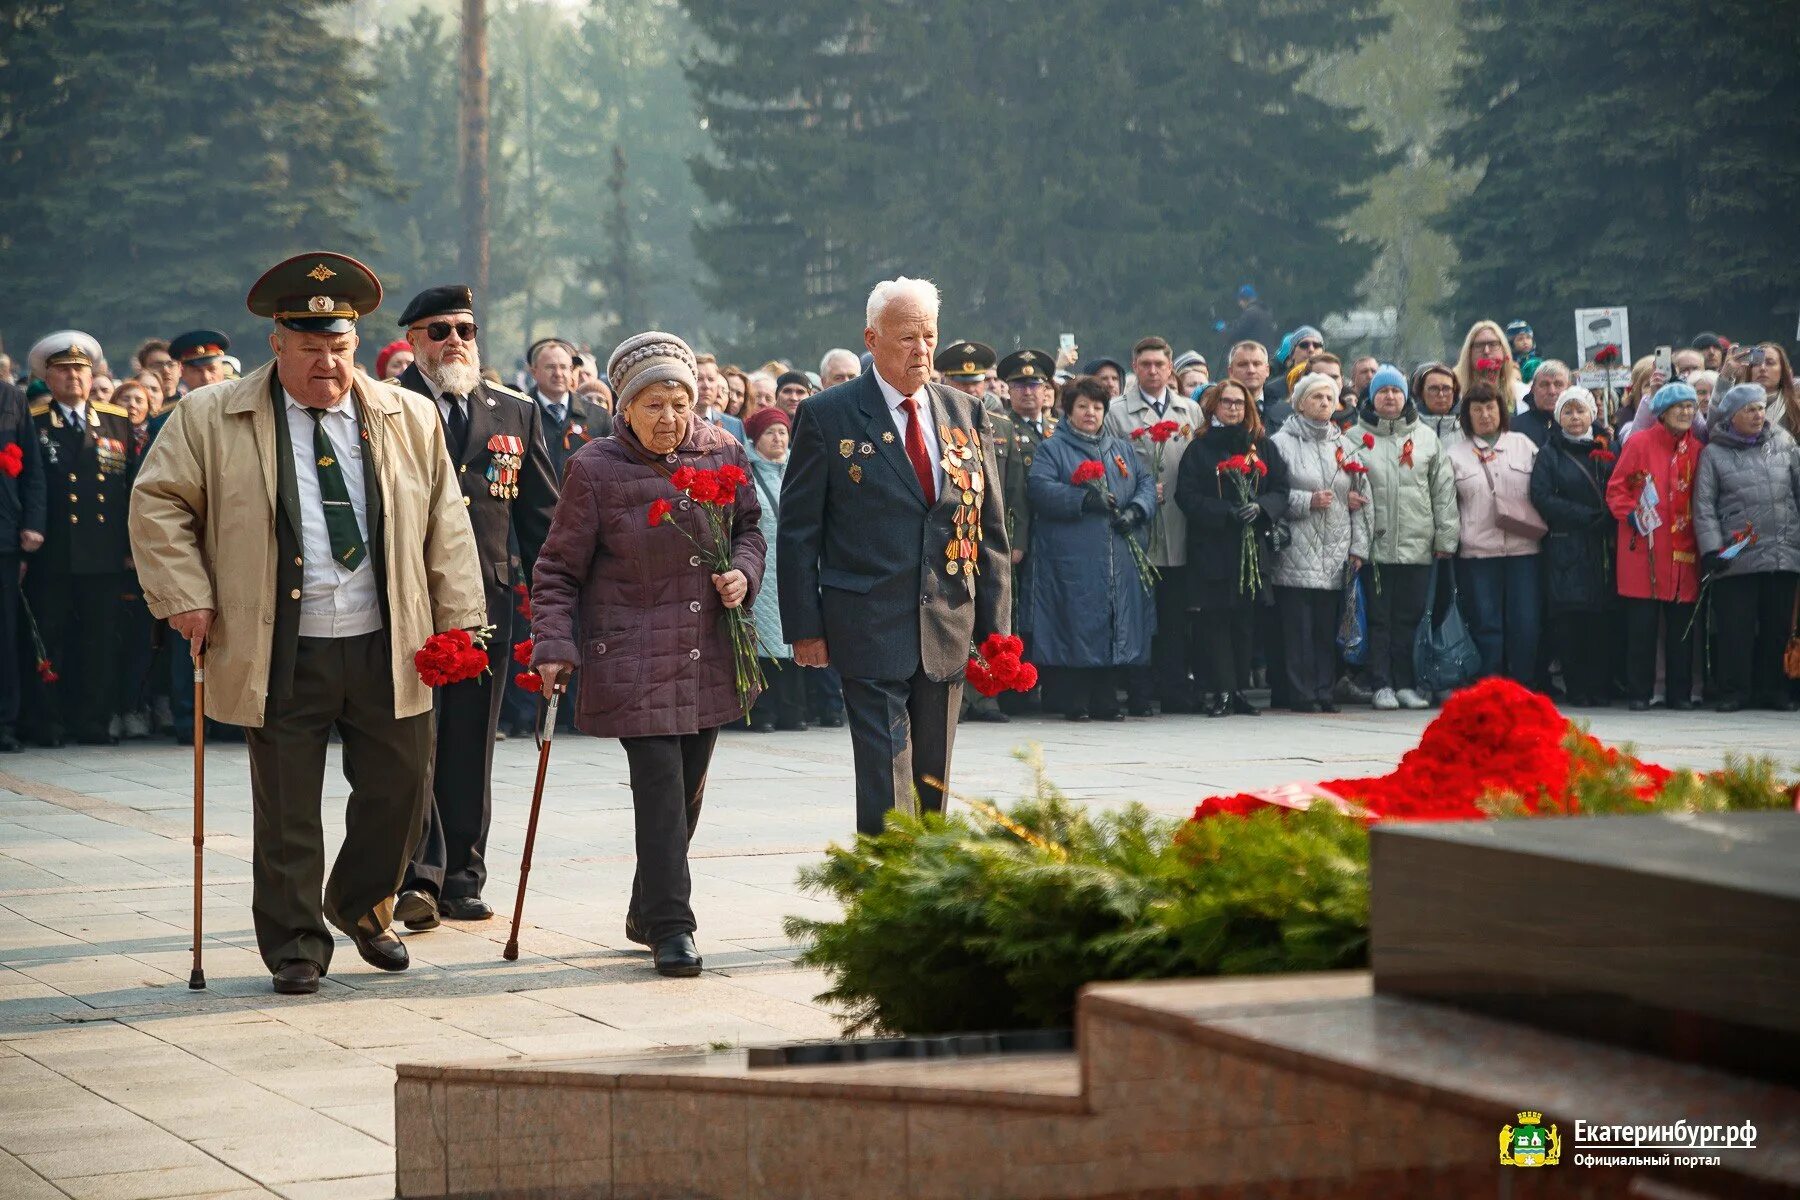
435 301
794 377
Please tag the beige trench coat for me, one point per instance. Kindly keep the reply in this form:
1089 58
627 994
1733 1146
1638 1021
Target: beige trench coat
203 533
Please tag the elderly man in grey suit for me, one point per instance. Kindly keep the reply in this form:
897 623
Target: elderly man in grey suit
893 551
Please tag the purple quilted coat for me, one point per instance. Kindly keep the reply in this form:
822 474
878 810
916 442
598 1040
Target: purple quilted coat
635 605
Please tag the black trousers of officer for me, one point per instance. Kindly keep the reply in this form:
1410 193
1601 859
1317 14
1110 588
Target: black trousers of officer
1755 615
451 858
347 684
901 735
11 674
668 785
81 619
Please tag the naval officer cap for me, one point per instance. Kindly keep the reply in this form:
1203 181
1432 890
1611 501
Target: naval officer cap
1027 364
65 347
317 292
965 360
199 347
436 301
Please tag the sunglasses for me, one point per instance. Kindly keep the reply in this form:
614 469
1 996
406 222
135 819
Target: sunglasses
1309 345
437 331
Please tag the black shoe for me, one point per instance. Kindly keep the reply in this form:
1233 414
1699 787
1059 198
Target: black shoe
762 727
1142 710
297 977
96 739
1218 706
992 716
1680 706
635 932
792 726
1639 706
1326 706
831 721
9 744
677 957
1305 706
465 908
1076 714
1111 714
417 909
1240 704
1729 706
384 951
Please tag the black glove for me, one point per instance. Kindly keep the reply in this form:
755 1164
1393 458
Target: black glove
1248 513
1126 519
1712 564
1094 501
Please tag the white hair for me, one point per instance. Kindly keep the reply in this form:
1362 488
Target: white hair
1555 366
832 356
921 292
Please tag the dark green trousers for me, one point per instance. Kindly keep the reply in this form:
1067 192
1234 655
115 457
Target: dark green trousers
346 683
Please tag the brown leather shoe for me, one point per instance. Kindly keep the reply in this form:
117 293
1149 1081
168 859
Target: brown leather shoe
297 977
384 951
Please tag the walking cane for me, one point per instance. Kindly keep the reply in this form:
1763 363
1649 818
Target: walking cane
197 977
511 953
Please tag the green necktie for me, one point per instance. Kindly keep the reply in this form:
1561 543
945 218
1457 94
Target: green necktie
340 515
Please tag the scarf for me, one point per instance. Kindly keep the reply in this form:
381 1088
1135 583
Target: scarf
1585 439
1311 430
1725 432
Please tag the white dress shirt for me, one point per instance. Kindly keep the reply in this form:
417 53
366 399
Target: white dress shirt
550 403
1159 402
927 424
334 602
76 416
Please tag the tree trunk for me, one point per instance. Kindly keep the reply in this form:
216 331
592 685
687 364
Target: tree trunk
474 144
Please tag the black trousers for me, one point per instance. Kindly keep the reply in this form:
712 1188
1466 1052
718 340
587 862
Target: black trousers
783 702
345 684
1754 617
82 621
1641 620
1168 676
1584 643
1088 689
1395 609
668 785
1308 618
14 661
1227 636
901 734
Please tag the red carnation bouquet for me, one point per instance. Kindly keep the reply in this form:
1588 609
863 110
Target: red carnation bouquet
1090 473
1244 473
1159 436
999 665
528 679
12 460
716 494
1494 743
453 656
1489 366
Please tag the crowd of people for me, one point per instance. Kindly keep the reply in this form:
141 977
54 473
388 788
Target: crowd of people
1576 532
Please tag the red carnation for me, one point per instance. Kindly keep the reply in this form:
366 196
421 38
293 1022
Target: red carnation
1487 366
1606 355
731 477
1162 431
1602 456
529 681
524 595
1138 433
46 672
1368 441
1355 468
683 477
12 460
451 657
659 511
522 652
1088 471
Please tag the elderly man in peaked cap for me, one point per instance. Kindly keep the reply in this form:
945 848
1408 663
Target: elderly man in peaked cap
303 526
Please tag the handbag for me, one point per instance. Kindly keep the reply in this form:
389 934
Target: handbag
1444 654
1790 658
1353 625
1515 515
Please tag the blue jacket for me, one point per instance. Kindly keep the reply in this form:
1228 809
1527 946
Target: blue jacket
1086 607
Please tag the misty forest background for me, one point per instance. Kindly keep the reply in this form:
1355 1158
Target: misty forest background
740 171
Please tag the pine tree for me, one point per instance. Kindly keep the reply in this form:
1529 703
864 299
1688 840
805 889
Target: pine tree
1636 152
159 157
1110 167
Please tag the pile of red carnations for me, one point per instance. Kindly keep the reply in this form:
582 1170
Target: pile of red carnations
999 666
1493 739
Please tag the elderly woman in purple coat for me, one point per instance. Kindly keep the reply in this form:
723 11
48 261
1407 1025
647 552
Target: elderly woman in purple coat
643 615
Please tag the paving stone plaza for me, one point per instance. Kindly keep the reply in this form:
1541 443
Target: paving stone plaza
116 1081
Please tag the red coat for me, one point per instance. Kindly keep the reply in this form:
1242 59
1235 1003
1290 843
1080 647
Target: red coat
1669 557
635 605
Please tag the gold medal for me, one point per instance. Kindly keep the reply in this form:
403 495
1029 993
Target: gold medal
855 472
951 567
847 447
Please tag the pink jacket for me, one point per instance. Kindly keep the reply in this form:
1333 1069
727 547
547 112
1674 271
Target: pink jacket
1672 464
1480 487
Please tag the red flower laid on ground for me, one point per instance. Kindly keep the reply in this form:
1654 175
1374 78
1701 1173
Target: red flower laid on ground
1088 471
452 657
12 460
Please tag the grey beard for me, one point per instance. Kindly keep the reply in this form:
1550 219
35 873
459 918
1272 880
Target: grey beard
460 379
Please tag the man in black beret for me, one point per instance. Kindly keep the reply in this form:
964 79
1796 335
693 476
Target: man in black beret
496 440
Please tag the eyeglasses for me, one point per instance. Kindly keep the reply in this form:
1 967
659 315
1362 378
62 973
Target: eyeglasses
1309 345
437 331
157 364
1486 344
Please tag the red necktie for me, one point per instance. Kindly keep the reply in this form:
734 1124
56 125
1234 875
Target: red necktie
915 450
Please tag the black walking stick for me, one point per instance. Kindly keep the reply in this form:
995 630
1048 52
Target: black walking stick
511 953
197 977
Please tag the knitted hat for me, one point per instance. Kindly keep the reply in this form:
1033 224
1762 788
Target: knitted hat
1189 358
388 351
1388 376
1515 327
1312 383
758 422
1576 395
1725 407
1669 395
649 358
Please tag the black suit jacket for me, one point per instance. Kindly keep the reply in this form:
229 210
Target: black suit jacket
581 424
497 413
863 561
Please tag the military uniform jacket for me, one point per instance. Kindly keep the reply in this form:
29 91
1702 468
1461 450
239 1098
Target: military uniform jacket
1012 459
890 582
88 472
507 479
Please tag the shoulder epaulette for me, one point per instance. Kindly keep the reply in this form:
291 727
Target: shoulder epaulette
111 410
40 408
506 391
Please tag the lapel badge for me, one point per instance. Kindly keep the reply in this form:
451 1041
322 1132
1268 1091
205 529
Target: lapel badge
865 449
855 472
887 439
846 447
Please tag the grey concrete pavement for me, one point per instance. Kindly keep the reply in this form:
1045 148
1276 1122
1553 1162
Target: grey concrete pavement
117 1081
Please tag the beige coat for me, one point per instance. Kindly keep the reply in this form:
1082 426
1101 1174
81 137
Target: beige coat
203 533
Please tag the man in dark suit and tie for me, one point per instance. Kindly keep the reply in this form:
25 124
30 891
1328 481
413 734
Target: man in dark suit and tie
893 551
496 442
569 422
